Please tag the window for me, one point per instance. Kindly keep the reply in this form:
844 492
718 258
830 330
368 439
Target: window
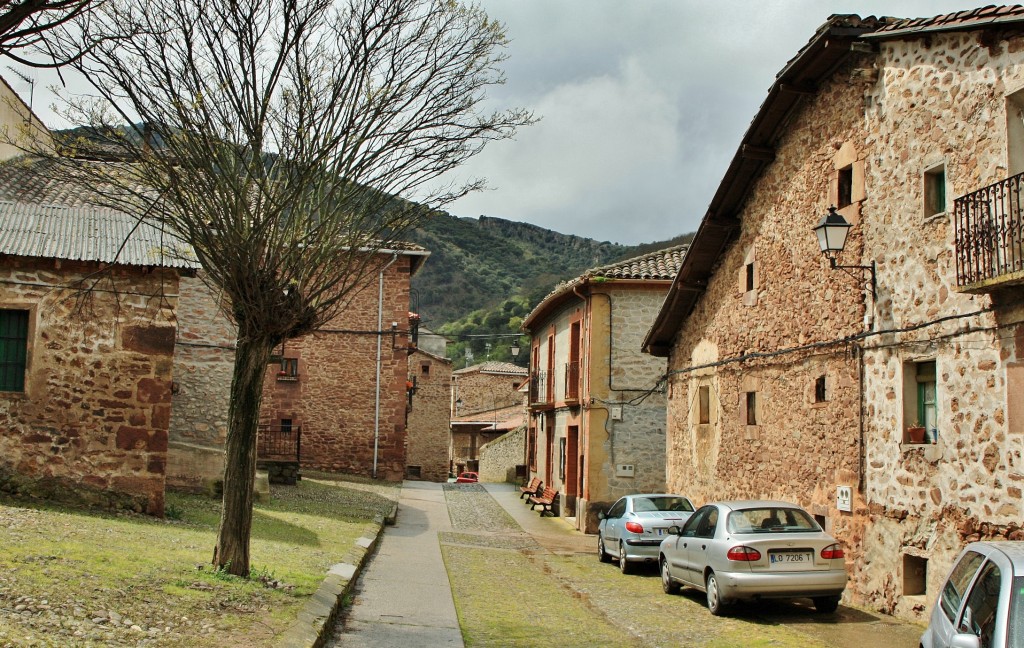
920 402
704 395
286 425
926 395
413 472
13 349
915 575
935 191
845 196
956 585
979 617
425 369
750 276
819 390
751 408
289 368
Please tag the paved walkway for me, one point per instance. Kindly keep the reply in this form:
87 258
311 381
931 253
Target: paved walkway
403 598
554 534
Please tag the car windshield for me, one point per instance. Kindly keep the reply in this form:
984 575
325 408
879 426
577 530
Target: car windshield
1015 635
662 503
771 519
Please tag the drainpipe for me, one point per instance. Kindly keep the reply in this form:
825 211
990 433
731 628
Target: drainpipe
380 336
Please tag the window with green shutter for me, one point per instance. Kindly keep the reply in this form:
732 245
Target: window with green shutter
13 349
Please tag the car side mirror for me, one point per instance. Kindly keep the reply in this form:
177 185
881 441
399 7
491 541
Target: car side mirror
966 640
674 530
601 515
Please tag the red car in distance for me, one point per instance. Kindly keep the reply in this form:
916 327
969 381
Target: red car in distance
467 478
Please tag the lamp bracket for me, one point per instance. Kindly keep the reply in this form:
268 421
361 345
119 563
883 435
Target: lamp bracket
872 283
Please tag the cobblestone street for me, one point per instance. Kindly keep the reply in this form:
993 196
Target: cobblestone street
520 580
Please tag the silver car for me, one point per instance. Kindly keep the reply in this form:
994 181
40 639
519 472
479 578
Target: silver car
981 604
752 550
632 529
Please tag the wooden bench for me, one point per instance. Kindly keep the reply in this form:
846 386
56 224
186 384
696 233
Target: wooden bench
534 487
545 501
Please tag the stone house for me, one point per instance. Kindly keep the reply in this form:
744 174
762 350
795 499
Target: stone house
343 388
85 377
791 380
429 416
486 402
596 427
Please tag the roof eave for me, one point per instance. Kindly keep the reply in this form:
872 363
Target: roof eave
830 46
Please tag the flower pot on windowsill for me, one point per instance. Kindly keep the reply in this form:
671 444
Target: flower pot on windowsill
915 434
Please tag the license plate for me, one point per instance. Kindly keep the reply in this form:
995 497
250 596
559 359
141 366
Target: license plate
661 532
790 559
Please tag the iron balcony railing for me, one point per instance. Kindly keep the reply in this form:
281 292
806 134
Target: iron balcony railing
989 226
539 392
572 381
279 443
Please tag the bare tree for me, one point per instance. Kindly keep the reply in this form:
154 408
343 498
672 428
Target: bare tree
25 23
285 141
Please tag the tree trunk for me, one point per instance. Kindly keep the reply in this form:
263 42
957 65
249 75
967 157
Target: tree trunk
232 550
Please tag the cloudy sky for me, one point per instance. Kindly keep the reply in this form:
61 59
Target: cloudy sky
642 103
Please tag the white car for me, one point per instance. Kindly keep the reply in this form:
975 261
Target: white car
753 550
981 604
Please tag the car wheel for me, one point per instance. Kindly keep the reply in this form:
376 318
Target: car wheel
715 603
667 584
602 555
826 604
624 565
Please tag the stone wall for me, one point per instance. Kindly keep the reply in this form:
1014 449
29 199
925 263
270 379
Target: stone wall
499 458
484 391
92 423
772 291
429 416
333 398
943 103
204 358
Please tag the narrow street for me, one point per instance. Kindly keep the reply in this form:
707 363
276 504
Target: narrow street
517 579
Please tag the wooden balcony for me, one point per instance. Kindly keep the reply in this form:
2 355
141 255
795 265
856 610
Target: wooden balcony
989 235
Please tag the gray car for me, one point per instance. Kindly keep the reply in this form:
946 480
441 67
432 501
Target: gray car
981 604
753 550
632 529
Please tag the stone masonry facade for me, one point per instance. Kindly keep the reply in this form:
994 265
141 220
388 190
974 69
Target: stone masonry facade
92 422
429 417
831 404
333 396
204 359
499 458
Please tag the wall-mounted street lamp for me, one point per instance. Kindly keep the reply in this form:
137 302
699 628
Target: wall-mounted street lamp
514 349
831 231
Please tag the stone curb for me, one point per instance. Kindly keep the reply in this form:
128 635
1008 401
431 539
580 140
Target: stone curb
316 618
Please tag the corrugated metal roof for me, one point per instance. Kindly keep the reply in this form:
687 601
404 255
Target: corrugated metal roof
87 233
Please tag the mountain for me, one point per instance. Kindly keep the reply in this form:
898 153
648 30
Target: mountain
480 264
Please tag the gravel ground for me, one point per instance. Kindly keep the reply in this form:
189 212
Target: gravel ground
472 508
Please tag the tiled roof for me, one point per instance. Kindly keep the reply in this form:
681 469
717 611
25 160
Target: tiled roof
493 366
87 233
661 264
967 19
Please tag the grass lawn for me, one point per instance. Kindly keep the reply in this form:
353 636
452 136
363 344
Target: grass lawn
73 577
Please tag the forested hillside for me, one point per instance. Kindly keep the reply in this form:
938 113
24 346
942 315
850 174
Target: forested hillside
477 263
485 275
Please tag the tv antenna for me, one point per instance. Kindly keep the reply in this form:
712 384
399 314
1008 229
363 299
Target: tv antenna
31 87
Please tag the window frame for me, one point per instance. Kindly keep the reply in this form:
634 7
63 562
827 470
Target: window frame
16 368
